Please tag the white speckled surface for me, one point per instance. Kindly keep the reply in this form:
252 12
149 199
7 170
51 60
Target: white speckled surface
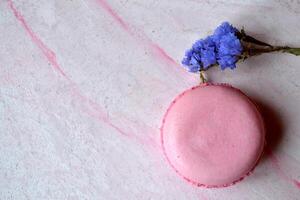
84 85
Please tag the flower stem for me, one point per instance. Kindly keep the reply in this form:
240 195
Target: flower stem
251 49
294 51
202 77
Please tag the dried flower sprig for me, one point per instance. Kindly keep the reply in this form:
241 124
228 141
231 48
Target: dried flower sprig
226 47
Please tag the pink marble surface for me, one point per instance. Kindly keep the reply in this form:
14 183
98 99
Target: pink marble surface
85 83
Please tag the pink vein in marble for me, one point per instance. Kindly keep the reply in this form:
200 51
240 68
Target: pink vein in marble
46 51
281 173
117 18
156 50
297 183
213 135
90 107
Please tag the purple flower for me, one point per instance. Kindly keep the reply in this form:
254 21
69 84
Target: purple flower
201 55
223 48
227 61
224 29
192 61
229 47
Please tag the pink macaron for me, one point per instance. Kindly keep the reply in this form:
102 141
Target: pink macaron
213 135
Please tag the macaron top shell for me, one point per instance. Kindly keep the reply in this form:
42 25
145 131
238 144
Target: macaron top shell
212 135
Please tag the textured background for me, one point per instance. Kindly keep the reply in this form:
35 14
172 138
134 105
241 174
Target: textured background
85 83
